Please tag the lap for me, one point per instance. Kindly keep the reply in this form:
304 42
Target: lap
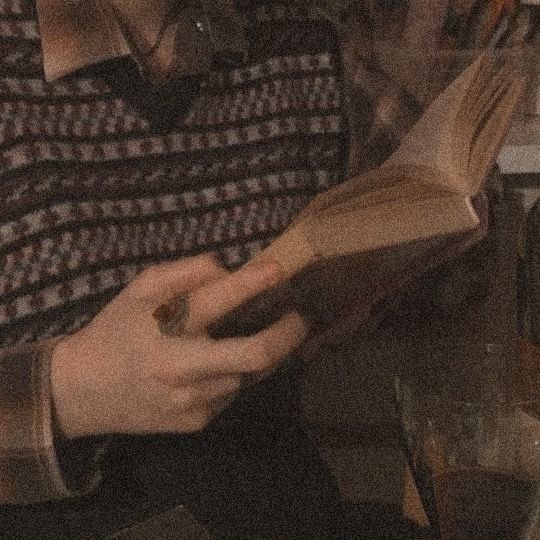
254 473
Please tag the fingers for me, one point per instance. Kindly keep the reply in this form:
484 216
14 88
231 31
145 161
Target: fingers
160 282
206 392
197 405
198 419
213 301
201 377
259 353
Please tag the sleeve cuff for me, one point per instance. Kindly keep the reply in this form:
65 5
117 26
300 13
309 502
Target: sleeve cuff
37 464
72 466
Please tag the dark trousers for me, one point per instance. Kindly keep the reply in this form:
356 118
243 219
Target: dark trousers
253 474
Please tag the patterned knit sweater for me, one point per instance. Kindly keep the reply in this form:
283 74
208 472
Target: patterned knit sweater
101 176
93 188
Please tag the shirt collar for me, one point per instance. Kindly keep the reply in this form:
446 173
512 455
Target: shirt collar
165 37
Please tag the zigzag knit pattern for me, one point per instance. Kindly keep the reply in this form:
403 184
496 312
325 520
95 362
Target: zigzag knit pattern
91 193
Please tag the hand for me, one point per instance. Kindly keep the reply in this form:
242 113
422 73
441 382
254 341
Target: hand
120 374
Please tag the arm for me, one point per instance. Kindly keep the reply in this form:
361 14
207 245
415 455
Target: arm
120 374
36 462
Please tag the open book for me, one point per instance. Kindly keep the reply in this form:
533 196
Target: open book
424 189
410 205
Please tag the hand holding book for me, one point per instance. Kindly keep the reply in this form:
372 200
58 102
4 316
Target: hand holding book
362 239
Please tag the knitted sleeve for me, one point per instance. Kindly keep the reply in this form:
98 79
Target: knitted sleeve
36 463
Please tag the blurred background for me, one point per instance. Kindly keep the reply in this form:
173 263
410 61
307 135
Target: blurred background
398 55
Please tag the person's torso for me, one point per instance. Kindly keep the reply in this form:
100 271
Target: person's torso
92 191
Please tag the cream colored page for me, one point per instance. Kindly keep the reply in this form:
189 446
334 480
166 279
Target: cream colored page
395 196
389 225
433 141
486 149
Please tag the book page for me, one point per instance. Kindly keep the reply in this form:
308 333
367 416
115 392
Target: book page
439 138
388 224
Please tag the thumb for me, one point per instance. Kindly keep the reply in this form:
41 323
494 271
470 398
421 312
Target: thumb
160 282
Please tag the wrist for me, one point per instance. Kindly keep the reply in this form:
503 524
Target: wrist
70 408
